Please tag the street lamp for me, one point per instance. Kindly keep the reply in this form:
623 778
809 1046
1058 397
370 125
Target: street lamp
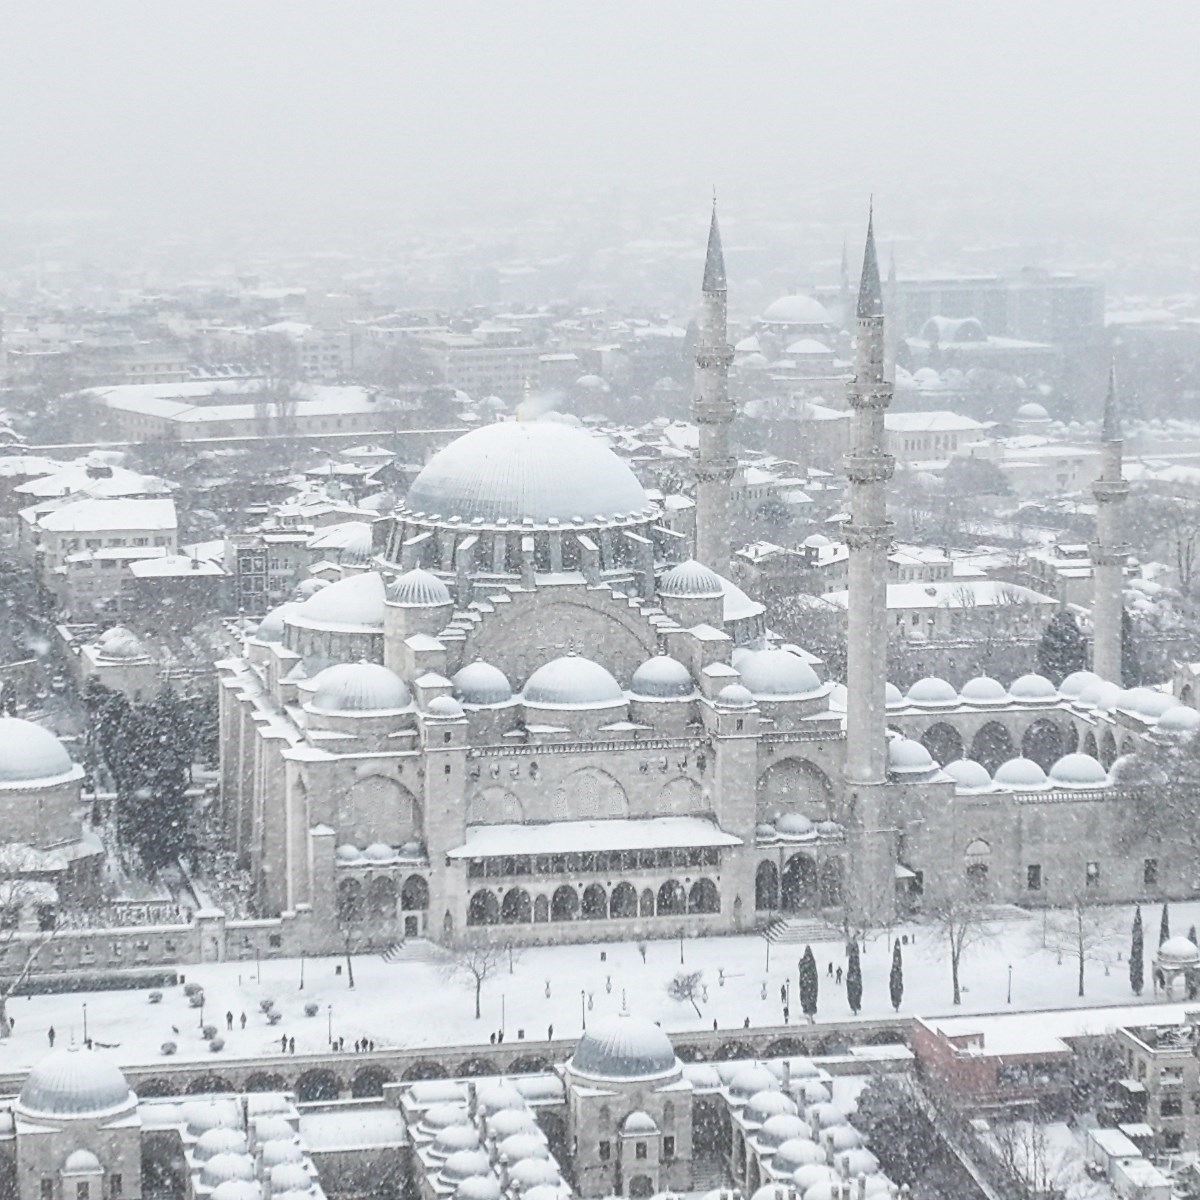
329 1013
201 1010
583 1007
1008 1000
85 1033
302 970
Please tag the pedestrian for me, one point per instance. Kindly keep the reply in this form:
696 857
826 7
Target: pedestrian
549 1033
492 1037
50 1036
291 1045
371 1046
228 1021
785 1014
746 1023
830 970
341 1043
714 1024
838 977
783 993
283 1044
500 1036
243 1019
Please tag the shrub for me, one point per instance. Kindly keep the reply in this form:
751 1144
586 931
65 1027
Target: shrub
208 1032
192 989
169 1047
196 999
156 997
273 1017
311 1009
217 1043
266 1005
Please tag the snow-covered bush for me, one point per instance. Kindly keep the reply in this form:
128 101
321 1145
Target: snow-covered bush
191 989
217 1043
273 1017
208 1032
311 1009
196 999
156 997
266 1005
169 1047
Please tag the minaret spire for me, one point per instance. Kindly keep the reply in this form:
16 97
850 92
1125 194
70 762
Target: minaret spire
1109 552
870 291
713 410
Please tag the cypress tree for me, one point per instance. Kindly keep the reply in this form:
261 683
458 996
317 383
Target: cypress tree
1137 973
809 983
896 979
1164 926
1063 648
854 980
1192 936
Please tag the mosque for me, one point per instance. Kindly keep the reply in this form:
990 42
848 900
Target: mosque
533 707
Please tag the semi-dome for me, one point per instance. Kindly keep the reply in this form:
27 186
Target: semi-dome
1032 689
796 309
662 678
1020 774
623 1047
932 692
781 1128
1178 951
1076 683
968 775
735 696
516 471
30 754
908 757
270 628
572 682
418 588
1078 771
984 690
1179 719
481 684
351 605
362 687
778 674
74 1083
691 580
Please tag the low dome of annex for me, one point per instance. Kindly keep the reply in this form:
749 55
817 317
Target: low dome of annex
75 1083
361 688
777 674
1078 771
932 692
1033 689
968 775
983 690
623 1047
30 754
1020 774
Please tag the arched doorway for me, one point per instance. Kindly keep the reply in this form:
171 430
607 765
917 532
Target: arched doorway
381 899
766 886
640 1187
646 903
1108 749
798 886
414 895
350 907
831 883
943 742
1089 744
541 909
1043 742
992 745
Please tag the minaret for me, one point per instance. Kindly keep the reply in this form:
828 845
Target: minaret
867 532
713 412
1109 552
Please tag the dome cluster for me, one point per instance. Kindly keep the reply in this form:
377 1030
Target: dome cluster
119 644
1025 775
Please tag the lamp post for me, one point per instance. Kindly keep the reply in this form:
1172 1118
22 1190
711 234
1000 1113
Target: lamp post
302 970
1008 999
329 1022
258 964
583 1007
201 1010
85 1032
503 1021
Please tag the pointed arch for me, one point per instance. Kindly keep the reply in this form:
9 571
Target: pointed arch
590 794
516 908
484 909
672 899
766 886
793 785
414 895
704 897
992 745
623 902
1043 742
943 742
646 903
595 903
564 905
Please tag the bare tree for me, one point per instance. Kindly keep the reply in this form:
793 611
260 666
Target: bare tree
687 986
475 963
960 919
1083 931
28 921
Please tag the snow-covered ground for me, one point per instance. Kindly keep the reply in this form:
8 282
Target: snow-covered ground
413 1004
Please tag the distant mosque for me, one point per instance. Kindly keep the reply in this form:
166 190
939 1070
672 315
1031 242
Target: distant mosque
534 708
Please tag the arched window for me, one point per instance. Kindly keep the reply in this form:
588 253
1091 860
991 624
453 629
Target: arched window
766 886
381 899
672 899
623 902
595 903
541 909
646 905
349 901
414 895
977 860
565 904
516 908
484 909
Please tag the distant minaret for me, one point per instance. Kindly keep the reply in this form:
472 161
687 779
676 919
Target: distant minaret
868 536
713 412
1109 552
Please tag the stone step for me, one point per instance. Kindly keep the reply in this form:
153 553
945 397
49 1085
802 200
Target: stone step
412 950
791 931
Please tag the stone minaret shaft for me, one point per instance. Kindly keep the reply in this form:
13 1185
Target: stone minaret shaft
868 536
1109 552
713 412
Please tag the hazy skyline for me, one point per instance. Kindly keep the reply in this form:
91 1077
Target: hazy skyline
157 112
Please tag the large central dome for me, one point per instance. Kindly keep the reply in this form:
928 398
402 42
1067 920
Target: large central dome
514 471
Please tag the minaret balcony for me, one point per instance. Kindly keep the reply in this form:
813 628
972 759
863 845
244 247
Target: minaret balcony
710 357
867 537
1109 491
870 468
721 471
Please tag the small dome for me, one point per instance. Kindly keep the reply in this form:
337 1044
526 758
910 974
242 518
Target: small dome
796 309
347 852
623 1047
308 587
826 1115
1178 951
856 1160
248 1189
1078 770
572 681
439 1116
769 1103
780 1128
984 690
81 1162
1076 683
74 1083
794 825
778 674
31 754
220 1141
639 1121
272 1127
908 757
662 678
210 1114
288 1177
812 1091
735 696
352 605
455 1137
751 1079
444 706
1101 695
968 775
418 588
281 1151
1032 412
511 1120
772 1191
478 1187
1146 703
932 692
842 1137
814 1173
526 1144
479 683
1179 719
1020 774
463 1164
361 687
118 643
533 1172
691 580
221 1167
497 1094
379 852
892 696
1033 689
270 628
798 1152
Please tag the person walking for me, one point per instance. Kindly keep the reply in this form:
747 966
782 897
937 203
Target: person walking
283 1044
243 1020
50 1035
291 1045
228 1022
549 1033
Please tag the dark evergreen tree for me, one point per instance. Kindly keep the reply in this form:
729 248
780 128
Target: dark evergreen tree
809 983
1164 925
1131 658
1063 648
896 978
854 980
1137 970
1192 935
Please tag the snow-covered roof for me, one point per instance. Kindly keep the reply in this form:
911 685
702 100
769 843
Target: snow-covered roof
97 515
620 833
168 565
935 421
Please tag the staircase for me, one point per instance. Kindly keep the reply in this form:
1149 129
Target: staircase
413 950
791 931
709 1174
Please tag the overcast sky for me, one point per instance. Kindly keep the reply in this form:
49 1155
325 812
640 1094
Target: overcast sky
169 109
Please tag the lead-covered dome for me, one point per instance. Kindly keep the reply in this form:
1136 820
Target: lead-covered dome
932 692
1179 719
361 687
482 684
270 628
119 644
418 588
516 471
1147 703
796 309
1020 774
1078 771
570 682
968 775
691 580
778 674
1178 951
1033 689
352 605
662 678
623 1047
908 757
75 1083
30 754
1076 683
983 690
